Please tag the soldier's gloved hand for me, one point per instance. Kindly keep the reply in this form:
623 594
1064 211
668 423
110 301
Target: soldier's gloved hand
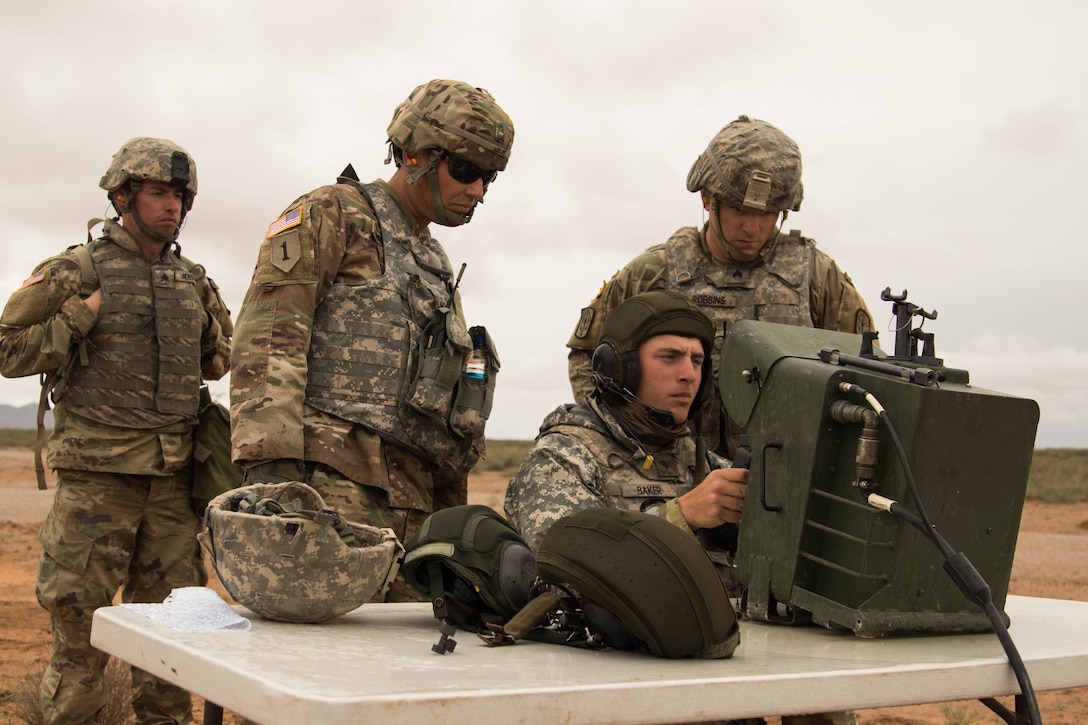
279 470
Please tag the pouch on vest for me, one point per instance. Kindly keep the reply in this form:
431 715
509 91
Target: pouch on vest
472 406
640 583
472 564
213 471
442 350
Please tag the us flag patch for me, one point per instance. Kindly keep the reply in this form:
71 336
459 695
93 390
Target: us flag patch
34 278
291 219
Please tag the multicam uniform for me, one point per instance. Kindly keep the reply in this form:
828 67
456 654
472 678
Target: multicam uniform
121 445
792 282
338 362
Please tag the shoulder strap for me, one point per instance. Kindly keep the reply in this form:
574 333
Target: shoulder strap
88 283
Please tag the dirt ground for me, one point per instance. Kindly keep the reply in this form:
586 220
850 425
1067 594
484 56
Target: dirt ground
1051 561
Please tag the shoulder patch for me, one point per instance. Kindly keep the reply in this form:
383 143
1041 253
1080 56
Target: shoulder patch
291 219
284 251
584 322
38 276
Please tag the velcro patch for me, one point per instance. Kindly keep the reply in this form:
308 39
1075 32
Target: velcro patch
291 219
284 251
584 321
38 276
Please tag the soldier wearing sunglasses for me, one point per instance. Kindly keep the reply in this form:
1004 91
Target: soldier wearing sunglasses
352 341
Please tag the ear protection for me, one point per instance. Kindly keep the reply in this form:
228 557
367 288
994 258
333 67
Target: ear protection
623 369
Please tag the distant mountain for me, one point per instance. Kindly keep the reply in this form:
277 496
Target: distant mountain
23 416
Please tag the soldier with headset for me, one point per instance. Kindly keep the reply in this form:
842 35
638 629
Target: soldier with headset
630 444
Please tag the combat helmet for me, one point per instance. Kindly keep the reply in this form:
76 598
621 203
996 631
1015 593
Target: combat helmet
278 550
750 165
457 119
151 159
637 319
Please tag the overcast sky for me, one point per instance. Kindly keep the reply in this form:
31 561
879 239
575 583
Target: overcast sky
944 146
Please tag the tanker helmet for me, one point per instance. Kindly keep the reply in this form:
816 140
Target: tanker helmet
637 319
279 551
457 118
152 159
750 165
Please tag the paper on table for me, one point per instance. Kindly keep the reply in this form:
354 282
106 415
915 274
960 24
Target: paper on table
193 609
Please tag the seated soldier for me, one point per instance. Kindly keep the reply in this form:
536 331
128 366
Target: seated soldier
629 444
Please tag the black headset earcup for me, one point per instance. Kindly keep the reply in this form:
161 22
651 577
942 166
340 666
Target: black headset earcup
606 362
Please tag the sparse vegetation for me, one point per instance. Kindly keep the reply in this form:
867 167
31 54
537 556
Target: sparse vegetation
1058 475
17 437
25 704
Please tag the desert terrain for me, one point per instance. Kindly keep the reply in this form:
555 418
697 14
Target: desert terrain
1051 560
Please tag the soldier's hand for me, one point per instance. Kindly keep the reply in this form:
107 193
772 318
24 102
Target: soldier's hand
718 500
280 470
94 301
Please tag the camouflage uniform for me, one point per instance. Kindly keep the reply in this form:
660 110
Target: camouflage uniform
750 165
284 406
347 368
122 446
582 459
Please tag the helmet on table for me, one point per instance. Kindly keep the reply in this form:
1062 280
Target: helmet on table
278 550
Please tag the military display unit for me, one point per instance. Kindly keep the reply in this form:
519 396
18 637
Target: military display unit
811 546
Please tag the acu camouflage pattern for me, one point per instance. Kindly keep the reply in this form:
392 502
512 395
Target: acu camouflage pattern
354 468
583 459
792 282
387 353
750 164
278 550
456 117
151 159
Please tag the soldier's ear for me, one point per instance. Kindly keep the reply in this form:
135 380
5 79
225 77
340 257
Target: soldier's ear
706 200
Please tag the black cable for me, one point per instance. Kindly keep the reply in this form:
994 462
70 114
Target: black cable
957 566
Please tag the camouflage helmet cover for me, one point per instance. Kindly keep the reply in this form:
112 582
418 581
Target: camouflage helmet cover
280 552
752 165
456 117
151 159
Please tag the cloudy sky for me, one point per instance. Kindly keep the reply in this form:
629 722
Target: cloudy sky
944 149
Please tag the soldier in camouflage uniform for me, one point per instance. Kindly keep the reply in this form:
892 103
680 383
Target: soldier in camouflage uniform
347 368
123 336
739 265
629 445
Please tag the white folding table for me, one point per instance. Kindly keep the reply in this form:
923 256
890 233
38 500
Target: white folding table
376 665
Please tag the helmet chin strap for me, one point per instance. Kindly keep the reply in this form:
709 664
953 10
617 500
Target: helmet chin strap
429 170
733 251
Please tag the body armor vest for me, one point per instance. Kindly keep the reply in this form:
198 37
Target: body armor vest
775 289
144 350
627 485
378 344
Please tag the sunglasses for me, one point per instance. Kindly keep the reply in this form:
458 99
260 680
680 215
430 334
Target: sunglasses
466 172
